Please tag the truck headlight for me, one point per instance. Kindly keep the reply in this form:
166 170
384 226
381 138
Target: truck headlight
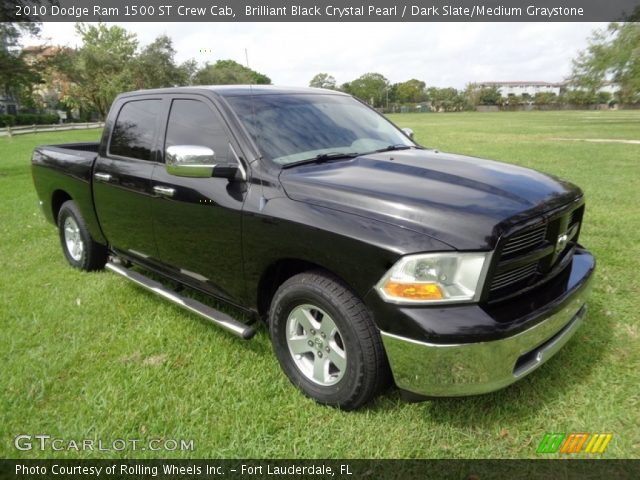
435 278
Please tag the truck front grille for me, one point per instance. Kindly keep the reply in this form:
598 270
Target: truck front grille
516 275
525 241
532 255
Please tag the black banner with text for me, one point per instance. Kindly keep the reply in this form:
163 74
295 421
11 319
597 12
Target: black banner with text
320 11
321 469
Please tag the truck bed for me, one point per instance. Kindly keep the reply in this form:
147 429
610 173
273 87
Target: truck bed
64 172
85 150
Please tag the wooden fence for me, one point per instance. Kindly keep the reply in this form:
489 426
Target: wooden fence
22 129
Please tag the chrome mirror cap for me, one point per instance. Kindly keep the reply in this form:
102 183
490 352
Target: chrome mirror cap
190 161
408 132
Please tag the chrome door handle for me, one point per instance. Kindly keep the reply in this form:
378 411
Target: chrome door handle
164 191
103 177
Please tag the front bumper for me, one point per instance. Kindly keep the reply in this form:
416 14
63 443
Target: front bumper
457 369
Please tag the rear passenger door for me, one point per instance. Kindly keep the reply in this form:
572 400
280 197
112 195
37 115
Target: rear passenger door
122 176
197 221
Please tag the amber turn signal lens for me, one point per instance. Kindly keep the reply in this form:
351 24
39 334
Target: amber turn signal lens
414 291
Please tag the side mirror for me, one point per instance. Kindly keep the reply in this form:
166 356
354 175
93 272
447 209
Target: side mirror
226 170
190 161
408 132
197 161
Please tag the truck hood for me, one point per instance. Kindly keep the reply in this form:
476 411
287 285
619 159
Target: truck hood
465 202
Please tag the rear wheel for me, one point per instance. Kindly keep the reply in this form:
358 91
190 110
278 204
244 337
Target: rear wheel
326 342
80 250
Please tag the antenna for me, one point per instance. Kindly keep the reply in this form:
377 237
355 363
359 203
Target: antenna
253 108
246 59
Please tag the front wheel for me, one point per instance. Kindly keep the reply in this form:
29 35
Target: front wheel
326 342
79 248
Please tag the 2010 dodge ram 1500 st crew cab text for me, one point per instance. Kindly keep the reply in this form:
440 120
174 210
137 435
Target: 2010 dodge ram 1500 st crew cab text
369 257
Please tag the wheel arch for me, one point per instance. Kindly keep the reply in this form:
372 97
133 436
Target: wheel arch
279 272
57 200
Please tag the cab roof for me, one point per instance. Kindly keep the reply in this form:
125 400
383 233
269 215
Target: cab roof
242 90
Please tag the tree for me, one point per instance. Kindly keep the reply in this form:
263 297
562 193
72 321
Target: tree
489 96
370 87
392 94
46 93
101 69
603 97
229 72
155 67
544 98
411 91
472 94
108 63
323 80
612 55
460 102
447 99
579 97
475 95
17 76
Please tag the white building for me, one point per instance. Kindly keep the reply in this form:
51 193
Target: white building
529 88
610 87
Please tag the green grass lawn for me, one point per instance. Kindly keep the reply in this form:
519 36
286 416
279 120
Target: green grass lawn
89 355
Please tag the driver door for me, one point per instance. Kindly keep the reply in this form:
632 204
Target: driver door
197 221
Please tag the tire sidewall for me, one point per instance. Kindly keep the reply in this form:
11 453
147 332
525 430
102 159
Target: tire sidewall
68 210
292 296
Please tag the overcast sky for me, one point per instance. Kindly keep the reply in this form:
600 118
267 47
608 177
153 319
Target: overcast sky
441 54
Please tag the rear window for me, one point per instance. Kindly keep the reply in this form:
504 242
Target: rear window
134 131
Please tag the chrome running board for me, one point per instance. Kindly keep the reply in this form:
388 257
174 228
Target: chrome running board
215 316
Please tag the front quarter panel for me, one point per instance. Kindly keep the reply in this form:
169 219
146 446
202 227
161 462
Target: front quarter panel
356 249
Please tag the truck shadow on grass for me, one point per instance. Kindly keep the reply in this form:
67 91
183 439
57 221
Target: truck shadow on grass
557 378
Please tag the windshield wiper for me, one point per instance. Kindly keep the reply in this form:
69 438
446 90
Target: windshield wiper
323 157
391 148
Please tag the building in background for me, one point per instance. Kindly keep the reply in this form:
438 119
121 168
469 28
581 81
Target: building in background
8 102
524 88
55 86
531 87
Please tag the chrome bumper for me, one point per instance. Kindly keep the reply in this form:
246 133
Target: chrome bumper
472 368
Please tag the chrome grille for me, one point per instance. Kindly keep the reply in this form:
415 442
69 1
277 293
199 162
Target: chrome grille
525 241
513 276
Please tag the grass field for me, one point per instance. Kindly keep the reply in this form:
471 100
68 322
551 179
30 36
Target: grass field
92 356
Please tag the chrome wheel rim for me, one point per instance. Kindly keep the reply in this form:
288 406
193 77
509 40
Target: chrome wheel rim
316 346
73 239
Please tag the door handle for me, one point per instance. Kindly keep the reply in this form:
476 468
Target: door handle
164 191
103 177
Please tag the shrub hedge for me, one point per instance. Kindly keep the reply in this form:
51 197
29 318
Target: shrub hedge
29 119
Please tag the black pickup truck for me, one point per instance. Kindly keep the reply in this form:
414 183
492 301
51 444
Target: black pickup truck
369 257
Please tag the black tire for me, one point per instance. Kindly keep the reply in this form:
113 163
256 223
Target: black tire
92 255
366 372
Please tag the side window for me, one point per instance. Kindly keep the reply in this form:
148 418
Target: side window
192 122
134 130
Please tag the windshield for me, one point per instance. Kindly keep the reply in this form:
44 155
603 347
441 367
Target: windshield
294 128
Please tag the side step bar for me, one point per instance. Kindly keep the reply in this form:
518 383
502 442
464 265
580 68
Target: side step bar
215 316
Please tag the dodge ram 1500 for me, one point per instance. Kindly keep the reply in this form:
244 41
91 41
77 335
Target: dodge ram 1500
370 258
